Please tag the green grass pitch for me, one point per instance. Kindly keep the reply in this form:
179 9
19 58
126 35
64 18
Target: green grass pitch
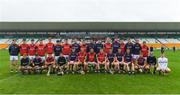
91 83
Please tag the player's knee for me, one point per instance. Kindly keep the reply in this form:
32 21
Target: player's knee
147 67
158 69
168 70
136 67
132 65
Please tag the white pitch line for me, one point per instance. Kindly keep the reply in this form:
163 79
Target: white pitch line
8 78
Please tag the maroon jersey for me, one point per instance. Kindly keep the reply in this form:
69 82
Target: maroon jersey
141 61
50 59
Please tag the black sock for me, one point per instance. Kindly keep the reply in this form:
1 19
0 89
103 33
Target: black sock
72 68
110 65
69 68
159 72
154 71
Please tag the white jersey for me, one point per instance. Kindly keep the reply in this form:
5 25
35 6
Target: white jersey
162 62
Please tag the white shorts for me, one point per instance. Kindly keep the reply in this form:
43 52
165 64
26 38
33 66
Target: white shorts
145 58
136 57
43 58
71 62
141 67
56 58
51 54
160 68
13 58
121 62
91 63
66 56
101 62
21 57
127 63
31 57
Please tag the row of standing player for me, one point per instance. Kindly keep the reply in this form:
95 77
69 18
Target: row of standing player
133 51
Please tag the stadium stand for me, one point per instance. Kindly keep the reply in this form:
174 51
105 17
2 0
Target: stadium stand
156 34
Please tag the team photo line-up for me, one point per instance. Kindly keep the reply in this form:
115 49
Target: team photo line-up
81 57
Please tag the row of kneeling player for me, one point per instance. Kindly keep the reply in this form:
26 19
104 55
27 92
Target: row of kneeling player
101 62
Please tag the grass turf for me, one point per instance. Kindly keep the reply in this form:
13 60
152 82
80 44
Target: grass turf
91 83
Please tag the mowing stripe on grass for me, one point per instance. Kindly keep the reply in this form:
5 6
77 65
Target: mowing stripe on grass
10 77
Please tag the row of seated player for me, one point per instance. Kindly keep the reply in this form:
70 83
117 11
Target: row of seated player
126 54
108 64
